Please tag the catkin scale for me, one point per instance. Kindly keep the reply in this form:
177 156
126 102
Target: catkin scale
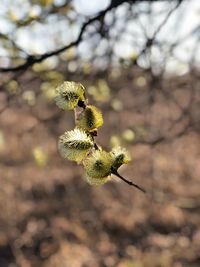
90 119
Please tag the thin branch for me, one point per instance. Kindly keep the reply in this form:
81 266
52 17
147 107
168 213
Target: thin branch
151 40
166 19
32 59
115 172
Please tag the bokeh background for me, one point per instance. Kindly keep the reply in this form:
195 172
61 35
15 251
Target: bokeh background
139 62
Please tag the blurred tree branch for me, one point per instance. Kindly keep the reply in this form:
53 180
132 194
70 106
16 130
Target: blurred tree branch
31 59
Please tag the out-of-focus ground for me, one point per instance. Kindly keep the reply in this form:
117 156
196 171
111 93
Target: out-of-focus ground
50 217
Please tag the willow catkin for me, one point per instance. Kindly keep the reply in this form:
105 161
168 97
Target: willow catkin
90 119
74 145
68 95
98 164
120 156
79 144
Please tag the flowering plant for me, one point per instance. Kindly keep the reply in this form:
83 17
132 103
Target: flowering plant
79 144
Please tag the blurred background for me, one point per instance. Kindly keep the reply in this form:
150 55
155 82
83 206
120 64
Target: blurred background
139 62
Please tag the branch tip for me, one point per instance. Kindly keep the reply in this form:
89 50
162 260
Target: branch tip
115 172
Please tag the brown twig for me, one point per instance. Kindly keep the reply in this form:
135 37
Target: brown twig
115 172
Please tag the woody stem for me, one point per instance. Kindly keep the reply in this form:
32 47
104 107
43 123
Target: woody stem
115 172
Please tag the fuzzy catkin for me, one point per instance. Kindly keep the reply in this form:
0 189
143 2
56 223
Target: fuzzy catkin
68 95
98 164
120 156
74 145
90 119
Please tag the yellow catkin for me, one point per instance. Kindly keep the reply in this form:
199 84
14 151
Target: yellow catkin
90 119
68 95
120 156
98 164
74 145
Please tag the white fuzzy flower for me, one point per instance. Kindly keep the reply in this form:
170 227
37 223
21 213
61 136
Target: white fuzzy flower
68 95
120 156
74 145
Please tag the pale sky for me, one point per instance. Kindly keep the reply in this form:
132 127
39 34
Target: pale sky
40 34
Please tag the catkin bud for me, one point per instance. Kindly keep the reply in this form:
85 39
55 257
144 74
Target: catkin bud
120 156
98 167
90 119
68 95
75 145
